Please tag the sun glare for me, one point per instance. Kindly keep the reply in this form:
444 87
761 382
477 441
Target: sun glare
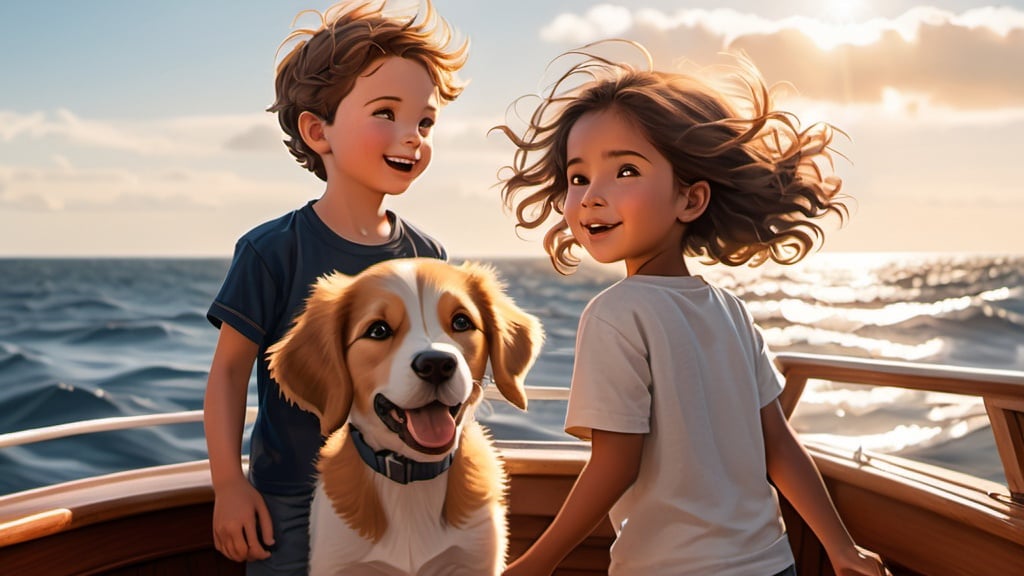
842 22
844 10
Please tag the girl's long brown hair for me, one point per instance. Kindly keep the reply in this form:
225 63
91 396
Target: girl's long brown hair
769 177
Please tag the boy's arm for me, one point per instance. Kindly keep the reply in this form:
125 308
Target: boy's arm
237 505
613 466
793 471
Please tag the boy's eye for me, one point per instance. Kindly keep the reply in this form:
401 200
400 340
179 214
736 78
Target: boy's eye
379 330
628 171
577 180
425 125
386 113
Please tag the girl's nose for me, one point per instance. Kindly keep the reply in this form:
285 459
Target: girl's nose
592 197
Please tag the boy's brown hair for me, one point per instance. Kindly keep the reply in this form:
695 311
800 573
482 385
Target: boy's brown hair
323 66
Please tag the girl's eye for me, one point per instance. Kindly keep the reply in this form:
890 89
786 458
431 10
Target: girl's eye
462 323
628 171
426 124
386 113
577 180
379 330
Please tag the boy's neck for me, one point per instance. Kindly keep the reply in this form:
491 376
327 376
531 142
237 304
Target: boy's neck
362 224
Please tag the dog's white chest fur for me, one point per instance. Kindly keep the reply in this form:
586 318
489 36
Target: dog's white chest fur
416 537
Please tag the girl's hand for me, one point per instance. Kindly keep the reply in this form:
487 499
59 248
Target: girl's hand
523 567
862 562
237 509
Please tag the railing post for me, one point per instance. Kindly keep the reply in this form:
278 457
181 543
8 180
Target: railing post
790 397
1007 418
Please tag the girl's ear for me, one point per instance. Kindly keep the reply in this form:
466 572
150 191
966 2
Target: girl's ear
693 201
311 128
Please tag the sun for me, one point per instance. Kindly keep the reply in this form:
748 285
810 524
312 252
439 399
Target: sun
842 22
845 10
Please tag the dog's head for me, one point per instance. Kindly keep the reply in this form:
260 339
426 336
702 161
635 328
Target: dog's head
397 351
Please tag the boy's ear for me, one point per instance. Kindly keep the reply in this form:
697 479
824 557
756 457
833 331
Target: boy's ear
693 201
311 127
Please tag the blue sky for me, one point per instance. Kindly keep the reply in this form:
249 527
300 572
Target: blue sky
138 128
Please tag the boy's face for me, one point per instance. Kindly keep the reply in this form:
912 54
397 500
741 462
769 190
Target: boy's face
381 137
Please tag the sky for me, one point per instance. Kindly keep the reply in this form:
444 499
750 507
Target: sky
139 128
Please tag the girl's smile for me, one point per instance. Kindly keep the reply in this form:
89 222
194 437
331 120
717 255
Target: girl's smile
597 229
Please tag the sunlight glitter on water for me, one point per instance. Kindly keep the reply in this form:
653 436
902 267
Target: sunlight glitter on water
873 347
802 312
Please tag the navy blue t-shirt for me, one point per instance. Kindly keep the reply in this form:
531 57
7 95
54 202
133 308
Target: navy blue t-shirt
273 269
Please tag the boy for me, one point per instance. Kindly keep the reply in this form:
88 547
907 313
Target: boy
357 98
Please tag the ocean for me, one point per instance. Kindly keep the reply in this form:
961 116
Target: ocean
93 338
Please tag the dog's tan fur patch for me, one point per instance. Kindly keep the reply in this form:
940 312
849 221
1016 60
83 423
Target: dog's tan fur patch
349 484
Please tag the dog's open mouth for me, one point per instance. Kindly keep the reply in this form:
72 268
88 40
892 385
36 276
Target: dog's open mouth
429 429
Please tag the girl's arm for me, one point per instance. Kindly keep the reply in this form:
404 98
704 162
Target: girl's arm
793 471
613 466
237 505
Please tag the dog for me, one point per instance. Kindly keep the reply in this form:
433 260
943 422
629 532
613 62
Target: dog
392 361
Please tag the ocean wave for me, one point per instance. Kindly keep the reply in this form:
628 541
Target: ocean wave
14 359
79 306
997 303
55 403
191 318
77 457
122 333
151 375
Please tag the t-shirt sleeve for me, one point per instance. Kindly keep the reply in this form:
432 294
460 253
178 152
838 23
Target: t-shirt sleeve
247 298
769 379
611 382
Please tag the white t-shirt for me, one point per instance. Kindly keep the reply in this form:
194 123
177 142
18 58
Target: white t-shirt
682 362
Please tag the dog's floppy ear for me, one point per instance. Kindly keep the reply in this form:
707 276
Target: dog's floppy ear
514 337
308 363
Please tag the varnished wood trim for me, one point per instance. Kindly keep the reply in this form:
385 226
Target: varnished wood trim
1008 427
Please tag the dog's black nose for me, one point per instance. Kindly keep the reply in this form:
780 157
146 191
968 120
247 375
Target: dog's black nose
434 366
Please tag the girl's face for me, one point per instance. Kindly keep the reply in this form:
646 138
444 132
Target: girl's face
623 201
381 137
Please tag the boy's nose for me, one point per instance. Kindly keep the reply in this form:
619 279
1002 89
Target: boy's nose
413 137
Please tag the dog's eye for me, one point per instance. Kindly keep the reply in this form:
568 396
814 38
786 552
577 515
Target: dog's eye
379 330
461 323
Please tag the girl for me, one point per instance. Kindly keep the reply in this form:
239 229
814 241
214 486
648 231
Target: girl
673 383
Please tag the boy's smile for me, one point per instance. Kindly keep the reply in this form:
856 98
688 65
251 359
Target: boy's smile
403 164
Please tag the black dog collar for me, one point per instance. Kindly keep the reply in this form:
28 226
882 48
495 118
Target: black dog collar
395 466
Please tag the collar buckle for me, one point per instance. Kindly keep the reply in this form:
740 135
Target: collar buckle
394 467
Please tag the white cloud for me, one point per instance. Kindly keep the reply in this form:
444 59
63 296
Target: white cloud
965 61
187 136
257 137
61 186
600 21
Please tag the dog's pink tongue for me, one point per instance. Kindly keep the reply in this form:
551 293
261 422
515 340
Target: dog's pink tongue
432 426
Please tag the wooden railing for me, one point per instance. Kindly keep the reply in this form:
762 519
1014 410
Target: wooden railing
1001 390
922 518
